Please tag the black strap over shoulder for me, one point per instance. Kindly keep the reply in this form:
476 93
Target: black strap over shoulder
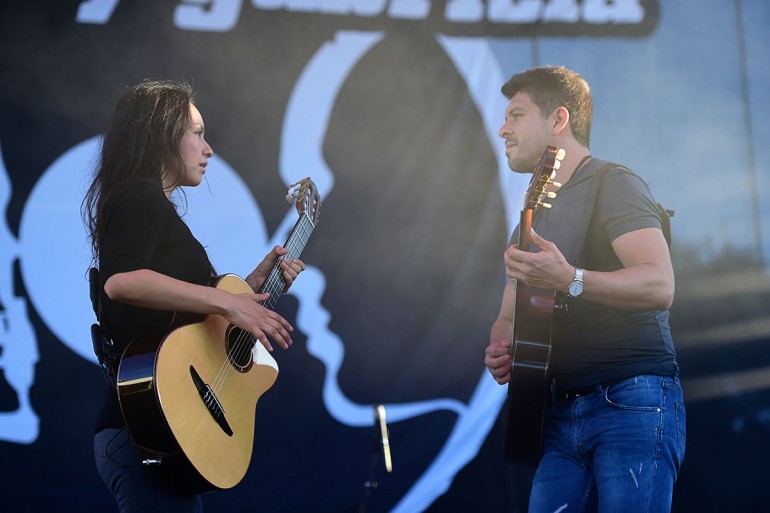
93 289
664 214
665 222
104 348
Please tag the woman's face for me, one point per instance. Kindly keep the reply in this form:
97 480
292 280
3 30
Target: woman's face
195 150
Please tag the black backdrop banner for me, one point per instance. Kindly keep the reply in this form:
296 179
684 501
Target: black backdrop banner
392 108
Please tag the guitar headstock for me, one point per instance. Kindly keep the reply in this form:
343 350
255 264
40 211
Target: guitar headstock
306 199
543 176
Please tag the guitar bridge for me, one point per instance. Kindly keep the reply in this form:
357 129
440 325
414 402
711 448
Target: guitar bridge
211 401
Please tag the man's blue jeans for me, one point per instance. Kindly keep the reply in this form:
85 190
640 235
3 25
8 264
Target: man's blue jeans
616 449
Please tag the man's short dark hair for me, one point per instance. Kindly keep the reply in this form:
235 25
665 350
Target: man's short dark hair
551 87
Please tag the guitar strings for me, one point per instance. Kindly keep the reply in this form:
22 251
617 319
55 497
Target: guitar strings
245 341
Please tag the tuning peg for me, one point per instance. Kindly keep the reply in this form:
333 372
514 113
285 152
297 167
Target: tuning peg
293 192
556 184
550 195
557 164
560 154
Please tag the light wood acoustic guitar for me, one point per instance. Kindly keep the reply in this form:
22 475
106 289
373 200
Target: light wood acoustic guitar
189 397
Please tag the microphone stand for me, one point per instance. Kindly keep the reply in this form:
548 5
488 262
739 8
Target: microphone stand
381 446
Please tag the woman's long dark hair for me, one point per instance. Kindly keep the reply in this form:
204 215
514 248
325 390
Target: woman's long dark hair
142 142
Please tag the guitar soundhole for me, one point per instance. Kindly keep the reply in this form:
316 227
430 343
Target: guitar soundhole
239 347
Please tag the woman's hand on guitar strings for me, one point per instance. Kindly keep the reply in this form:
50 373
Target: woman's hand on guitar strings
265 324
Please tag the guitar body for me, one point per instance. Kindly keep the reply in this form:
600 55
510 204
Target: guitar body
171 417
528 387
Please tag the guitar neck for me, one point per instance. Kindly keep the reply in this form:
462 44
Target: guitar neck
525 225
295 243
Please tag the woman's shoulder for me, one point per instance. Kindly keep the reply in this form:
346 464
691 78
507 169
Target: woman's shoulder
135 194
138 190
145 187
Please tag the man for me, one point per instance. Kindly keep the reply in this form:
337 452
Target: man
613 438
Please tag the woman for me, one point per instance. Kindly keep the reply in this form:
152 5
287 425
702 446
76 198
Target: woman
150 264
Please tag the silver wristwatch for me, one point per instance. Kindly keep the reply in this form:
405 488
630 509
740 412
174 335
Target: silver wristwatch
576 287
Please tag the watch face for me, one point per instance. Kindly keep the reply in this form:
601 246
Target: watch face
575 288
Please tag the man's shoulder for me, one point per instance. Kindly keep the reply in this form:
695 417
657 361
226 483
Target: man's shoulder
596 171
601 167
613 175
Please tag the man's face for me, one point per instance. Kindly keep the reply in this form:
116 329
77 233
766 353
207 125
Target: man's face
526 133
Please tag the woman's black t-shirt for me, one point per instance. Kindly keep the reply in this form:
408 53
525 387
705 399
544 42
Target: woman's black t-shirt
142 230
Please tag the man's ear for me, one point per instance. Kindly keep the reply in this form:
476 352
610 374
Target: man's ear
560 120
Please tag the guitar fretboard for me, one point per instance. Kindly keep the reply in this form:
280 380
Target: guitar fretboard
274 284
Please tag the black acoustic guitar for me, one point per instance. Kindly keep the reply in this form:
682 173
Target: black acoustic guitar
531 347
189 398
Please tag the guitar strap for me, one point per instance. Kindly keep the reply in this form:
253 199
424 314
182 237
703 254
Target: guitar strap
664 214
104 348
